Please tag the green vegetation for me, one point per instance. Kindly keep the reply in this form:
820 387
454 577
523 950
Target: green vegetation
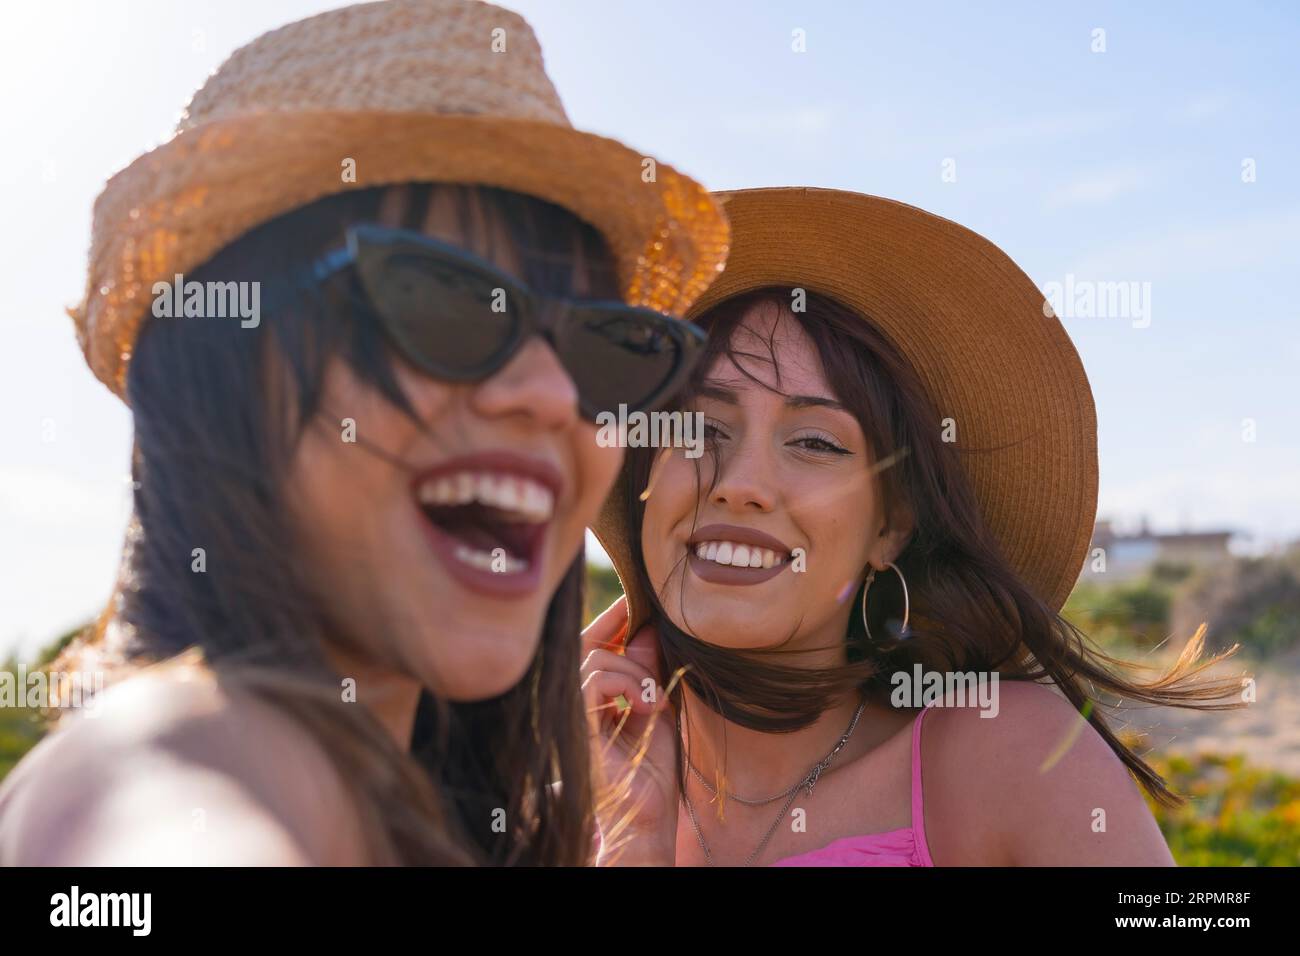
1235 815
1254 602
1127 619
22 727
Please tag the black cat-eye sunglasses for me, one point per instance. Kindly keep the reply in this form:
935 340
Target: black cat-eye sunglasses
459 318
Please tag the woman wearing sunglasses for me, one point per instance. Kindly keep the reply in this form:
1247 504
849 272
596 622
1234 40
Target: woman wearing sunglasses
853 597
346 626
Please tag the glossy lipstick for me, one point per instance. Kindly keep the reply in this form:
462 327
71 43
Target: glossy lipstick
713 573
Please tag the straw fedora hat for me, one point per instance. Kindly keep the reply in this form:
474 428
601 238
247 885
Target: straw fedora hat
974 328
408 91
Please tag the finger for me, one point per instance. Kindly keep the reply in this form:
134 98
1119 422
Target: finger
598 689
607 630
643 648
602 690
602 660
647 685
642 691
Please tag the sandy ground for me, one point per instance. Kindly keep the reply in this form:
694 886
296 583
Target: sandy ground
1266 731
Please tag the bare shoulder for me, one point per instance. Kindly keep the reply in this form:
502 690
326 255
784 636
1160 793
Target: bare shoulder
172 767
1031 782
1026 725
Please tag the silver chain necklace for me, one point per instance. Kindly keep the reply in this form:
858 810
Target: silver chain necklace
739 799
809 781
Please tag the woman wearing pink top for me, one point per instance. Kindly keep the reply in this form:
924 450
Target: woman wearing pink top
846 642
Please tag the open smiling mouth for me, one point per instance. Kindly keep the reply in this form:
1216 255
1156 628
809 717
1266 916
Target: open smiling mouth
731 554
487 517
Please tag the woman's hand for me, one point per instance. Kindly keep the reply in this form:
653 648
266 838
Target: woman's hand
634 743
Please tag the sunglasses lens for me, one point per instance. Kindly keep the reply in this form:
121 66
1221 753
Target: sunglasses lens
619 357
453 320
457 320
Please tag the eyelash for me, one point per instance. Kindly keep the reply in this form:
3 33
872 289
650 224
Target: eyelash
823 444
826 444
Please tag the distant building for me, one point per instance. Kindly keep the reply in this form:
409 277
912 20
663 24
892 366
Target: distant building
1130 555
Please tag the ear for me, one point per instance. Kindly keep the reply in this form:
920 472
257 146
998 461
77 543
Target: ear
892 537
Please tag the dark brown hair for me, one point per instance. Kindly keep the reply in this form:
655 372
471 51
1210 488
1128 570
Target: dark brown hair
970 611
215 429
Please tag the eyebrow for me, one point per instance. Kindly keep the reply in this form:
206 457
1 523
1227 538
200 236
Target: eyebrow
730 397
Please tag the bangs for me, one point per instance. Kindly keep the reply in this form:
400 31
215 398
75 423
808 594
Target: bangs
847 359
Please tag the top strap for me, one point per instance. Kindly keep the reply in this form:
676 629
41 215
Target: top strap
918 798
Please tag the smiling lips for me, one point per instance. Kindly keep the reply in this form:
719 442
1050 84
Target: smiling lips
731 554
486 516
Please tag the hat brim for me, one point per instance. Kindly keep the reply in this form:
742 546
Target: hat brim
974 328
177 205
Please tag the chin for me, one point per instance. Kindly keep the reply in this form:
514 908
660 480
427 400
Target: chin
723 627
486 666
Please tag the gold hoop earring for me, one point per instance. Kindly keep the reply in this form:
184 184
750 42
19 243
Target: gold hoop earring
907 604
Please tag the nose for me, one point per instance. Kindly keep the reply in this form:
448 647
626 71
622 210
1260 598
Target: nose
532 384
745 482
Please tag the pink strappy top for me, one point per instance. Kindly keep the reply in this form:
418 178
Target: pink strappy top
904 847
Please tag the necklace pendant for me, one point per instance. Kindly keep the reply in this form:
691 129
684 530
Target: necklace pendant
812 780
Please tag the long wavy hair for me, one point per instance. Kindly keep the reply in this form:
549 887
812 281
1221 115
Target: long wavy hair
216 424
970 611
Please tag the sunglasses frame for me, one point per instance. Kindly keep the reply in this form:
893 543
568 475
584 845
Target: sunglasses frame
370 246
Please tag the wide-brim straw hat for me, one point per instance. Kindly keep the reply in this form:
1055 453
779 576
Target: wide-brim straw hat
972 325
447 91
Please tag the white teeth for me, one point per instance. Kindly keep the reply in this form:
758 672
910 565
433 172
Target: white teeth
484 561
738 555
508 494
523 499
464 487
535 499
439 492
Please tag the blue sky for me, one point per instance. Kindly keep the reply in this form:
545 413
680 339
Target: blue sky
1123 165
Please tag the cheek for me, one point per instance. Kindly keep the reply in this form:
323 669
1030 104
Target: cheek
670 508
428 396
313 481
335 469
358 413
839 530
322 477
